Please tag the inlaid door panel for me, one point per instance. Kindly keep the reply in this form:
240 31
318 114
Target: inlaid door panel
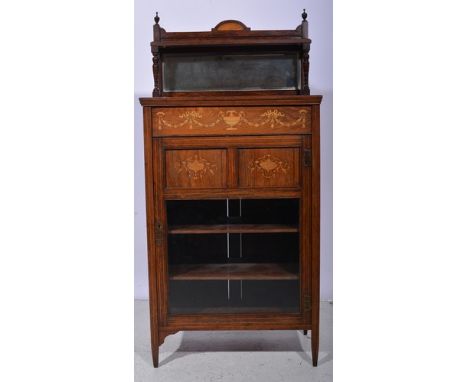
196 168
278 167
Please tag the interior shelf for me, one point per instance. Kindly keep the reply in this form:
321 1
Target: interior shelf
235 271
232 228
230 309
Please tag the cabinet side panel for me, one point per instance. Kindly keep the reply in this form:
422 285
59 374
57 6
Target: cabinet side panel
315 210
152 271
315 234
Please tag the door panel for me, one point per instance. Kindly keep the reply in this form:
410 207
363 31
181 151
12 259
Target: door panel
278 167
196 168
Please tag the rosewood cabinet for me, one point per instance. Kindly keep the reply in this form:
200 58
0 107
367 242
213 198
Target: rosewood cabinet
232 157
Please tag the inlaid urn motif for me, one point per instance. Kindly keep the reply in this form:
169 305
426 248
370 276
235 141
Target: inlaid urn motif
232 118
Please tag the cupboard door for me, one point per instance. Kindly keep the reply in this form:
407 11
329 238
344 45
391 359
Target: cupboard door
268 167
196 168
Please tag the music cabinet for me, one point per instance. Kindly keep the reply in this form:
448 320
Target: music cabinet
232 164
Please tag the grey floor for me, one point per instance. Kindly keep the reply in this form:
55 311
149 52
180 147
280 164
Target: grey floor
270 356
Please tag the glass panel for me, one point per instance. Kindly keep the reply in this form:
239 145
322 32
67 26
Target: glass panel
229 256
230 72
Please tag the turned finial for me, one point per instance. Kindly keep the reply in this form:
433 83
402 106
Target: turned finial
304 15
156 19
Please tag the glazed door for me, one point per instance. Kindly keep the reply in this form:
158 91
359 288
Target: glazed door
232 226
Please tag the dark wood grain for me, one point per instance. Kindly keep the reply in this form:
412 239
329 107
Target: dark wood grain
230 100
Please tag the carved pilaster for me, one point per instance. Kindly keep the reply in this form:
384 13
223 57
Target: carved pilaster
157 30
305 69
157 91
305 55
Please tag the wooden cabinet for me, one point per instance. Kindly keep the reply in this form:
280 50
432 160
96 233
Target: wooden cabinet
232 187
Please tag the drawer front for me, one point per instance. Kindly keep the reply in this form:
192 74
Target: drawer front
276 167
240 120
195 168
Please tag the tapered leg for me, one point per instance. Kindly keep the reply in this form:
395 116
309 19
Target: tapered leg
155 352
314 348
315 333
155 345
155 335
305 332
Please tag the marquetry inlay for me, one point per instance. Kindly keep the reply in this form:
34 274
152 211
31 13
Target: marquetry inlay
269 166
196 167
231 118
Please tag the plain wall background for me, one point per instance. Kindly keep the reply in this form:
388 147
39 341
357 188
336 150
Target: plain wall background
259 14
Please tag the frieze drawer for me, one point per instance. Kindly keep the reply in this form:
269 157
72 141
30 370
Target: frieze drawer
245 120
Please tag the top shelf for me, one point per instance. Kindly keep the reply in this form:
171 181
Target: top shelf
228 33
232 228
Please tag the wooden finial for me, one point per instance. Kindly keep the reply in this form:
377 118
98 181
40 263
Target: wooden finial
157 30
304 15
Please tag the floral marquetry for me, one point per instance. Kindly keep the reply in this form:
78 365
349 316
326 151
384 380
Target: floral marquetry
269 166
232 121
275 167
196 167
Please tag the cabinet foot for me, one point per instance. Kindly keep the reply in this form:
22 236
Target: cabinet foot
315 346
155 357
305 332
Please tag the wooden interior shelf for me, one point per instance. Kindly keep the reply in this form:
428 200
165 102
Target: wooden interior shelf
232 228
237 271
235 309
